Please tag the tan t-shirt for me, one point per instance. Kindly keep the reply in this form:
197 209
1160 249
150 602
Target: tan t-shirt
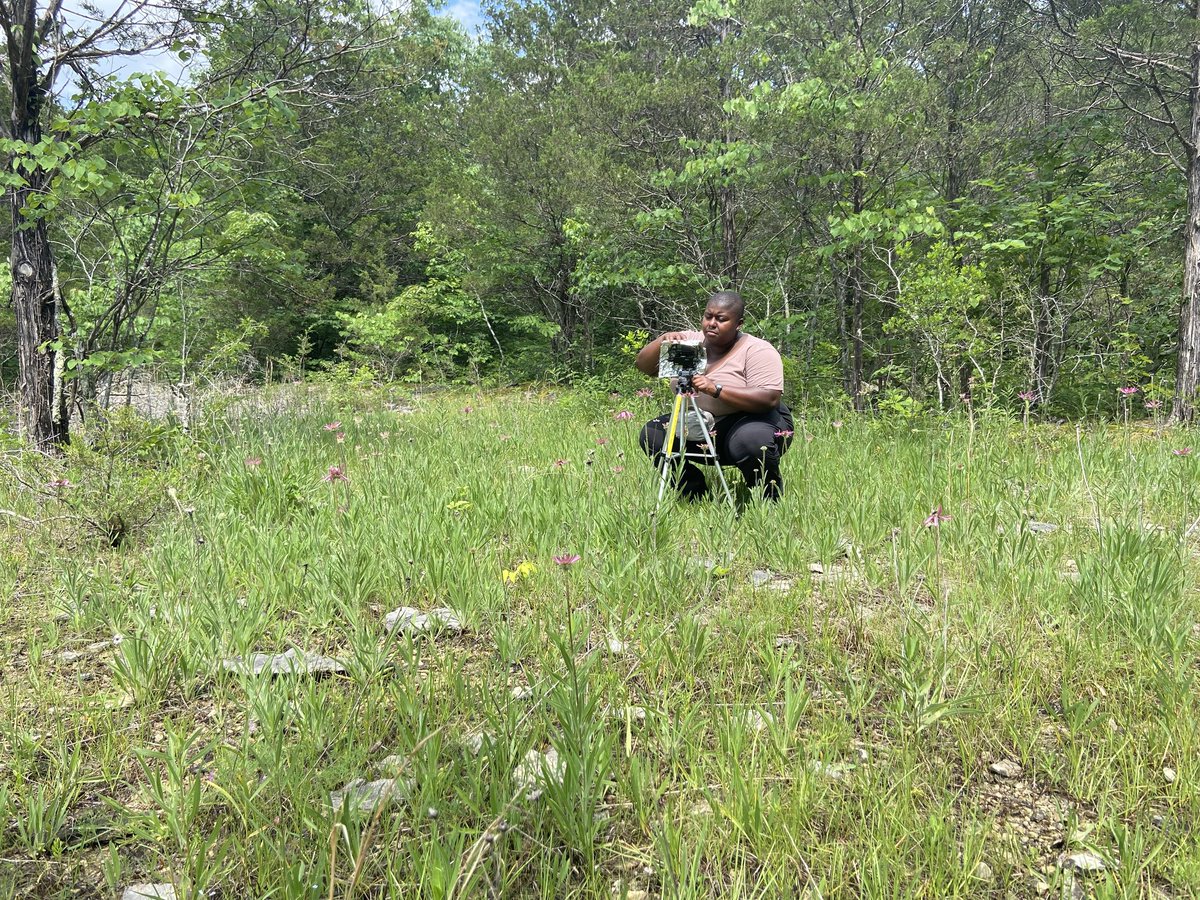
750 362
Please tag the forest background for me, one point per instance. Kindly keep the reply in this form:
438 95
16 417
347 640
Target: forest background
925 203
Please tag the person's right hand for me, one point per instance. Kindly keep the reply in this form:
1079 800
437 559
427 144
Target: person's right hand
674 336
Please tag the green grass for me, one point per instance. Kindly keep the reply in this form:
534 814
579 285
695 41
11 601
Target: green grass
829 739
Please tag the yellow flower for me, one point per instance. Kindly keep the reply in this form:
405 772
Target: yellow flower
521 572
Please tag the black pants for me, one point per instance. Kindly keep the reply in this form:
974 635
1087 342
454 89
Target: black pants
753 442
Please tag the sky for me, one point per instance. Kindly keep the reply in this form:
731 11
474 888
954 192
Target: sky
466 12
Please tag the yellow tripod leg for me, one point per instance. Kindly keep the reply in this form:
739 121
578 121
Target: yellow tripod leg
668 447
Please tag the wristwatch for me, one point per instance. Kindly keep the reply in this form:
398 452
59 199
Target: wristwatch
717 392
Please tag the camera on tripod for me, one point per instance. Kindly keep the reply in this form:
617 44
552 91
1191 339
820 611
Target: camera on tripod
681 359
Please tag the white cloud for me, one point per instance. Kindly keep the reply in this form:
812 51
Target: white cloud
466 12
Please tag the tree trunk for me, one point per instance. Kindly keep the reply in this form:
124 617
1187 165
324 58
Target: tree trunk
34 298
857 298
1187 376
42 403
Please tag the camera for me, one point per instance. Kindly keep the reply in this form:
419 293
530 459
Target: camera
681 359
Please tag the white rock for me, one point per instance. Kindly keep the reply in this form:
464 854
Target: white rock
764 578
758 719
983 872
615 645
149 892
363 796
391 763
623 713
537 770
1169 775
1006 768
413 621
474 742
760 577
292 662
833 772
1083 861
1042 527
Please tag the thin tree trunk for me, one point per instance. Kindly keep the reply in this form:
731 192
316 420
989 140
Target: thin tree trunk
43 408
1187 376
727 195
856 287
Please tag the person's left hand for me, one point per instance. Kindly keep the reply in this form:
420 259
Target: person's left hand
704 384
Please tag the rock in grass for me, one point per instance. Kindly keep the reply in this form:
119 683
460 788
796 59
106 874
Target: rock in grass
360 796
765 578
983 872
537 770
1169 775
625 713
1084 861
149 892
413 621
757 720
1006 768
521 692
1042 527
475 742
292 662
615 645
832 771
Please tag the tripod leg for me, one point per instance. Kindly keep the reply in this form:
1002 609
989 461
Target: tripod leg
668 449
712 448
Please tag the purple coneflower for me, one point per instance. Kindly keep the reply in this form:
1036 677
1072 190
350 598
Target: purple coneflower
567 559
336 473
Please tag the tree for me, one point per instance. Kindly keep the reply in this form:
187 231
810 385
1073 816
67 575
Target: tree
44 40
1140 61
294 43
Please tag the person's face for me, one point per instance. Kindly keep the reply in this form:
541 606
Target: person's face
720 325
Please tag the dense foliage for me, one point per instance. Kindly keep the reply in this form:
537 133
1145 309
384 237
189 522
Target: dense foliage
921 201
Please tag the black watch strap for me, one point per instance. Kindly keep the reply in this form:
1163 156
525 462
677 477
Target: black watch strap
717 392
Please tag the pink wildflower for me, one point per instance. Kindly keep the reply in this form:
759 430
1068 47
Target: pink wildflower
1153 404
1028 396
1127 391
601 441
468 409
332 426
253 462
341 437
784 433
559 463
623 415
618 469
58 484
936 518
1183 451
567 559
336 473
645 392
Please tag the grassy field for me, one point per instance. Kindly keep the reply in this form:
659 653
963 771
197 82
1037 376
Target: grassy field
832 697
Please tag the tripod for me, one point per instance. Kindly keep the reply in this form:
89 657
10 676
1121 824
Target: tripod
683 389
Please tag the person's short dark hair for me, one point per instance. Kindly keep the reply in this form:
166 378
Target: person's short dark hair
730 300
